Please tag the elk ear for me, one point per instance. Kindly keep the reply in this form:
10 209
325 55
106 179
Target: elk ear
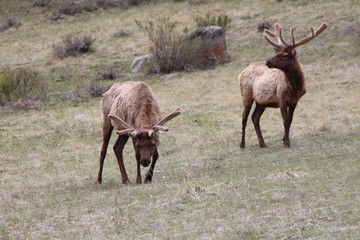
293 52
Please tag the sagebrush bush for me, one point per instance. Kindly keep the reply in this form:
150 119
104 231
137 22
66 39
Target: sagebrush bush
223 21
109 74
21 82
72 46
10 22
97 89
170 49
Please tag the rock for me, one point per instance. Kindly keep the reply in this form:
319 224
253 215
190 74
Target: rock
141 62
210 45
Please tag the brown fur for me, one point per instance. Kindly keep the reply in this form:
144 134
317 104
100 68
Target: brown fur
135 103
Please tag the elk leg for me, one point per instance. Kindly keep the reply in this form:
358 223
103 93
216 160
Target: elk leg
287 115
138 167
107 130
118 149
149 174
259 110
245 116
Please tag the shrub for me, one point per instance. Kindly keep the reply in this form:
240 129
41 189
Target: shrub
73 46
262 26
10 22
171 53
21 83
110 74
121 33
96 89
221 20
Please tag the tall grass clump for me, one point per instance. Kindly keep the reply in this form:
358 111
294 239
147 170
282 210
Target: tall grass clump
72 46
171 53
223 21
20 83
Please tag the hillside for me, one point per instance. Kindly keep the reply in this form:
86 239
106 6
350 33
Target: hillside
204 185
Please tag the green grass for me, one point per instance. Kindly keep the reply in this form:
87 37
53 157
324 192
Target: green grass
205 186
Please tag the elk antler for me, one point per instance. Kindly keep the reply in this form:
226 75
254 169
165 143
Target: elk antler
159 125
128 128
276 35
281 42
311 36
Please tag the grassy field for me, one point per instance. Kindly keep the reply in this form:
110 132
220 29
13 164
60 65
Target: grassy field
204 186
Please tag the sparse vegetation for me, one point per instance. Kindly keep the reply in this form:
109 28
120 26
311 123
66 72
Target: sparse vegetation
170 49
20 83
10 22
96 89
223 21
72 46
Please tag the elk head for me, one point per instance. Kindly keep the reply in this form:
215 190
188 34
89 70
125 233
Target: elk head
285 52
145 140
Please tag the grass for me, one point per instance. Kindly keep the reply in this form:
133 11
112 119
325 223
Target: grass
205 186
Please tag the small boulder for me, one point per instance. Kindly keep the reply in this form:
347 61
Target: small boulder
141 62
211 44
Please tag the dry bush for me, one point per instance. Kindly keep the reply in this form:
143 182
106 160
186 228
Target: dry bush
121 33
41 3
73 46
21 83
109 74
97 89
262 26
170 49
10 22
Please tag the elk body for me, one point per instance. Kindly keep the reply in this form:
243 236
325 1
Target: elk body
279 82
131 108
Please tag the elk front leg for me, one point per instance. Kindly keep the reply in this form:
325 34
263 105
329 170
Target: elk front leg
287 115
138 167
107 130
118 149
149 174
246 112
259 110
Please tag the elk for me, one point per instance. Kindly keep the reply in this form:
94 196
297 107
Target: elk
131 108
279 82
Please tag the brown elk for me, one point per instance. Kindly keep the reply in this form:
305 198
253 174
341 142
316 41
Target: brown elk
277 83
131 108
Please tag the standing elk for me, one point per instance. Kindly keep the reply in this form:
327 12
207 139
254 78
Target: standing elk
131 108
278 82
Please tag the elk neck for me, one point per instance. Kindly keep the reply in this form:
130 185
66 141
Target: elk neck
148 115
295 75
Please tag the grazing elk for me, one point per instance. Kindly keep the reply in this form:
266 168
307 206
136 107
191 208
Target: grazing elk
131 108
277 83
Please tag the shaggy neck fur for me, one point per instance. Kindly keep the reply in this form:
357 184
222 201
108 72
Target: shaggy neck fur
296 78
148 116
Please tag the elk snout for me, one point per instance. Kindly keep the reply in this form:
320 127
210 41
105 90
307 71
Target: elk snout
269 64
145 162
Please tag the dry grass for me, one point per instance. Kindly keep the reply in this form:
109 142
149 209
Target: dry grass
204 186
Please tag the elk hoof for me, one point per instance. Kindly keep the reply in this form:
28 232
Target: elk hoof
242 145
126 181
148 178
262 145
98 181
286 143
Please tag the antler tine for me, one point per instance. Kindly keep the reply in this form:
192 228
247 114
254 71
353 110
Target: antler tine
312 35
120 121
284 42
168 117
276 35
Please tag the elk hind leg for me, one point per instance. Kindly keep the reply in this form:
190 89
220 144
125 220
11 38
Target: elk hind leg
259 110
247 108
107 130
287 114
